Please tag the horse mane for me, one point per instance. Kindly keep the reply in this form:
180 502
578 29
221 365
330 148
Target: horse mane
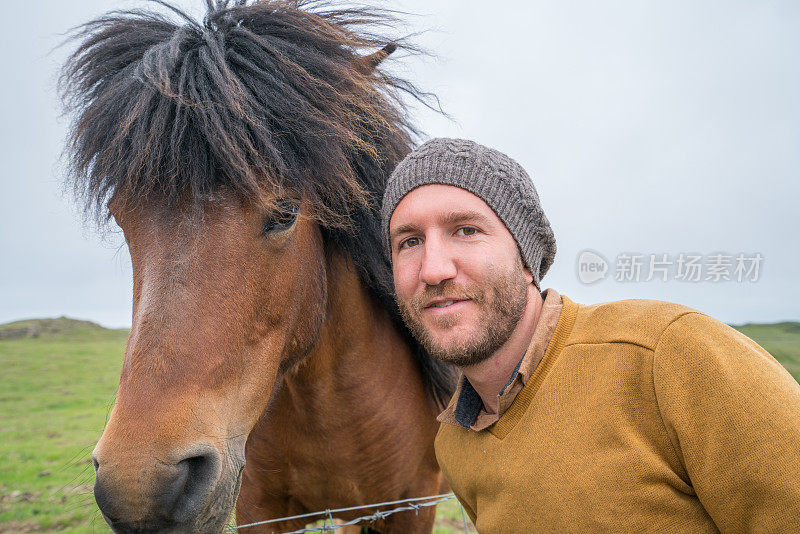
257 97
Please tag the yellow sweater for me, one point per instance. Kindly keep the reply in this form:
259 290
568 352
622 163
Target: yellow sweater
643 416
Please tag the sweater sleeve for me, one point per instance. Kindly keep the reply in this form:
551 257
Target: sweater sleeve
733 415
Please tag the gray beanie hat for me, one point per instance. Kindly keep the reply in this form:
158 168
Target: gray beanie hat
488 174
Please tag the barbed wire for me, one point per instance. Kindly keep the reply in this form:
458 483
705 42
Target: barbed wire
409 504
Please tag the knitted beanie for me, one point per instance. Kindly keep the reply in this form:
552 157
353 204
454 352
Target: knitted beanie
488 174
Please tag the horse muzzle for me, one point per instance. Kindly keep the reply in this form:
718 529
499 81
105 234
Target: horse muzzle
194 491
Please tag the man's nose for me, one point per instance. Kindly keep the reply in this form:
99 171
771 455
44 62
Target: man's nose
437 264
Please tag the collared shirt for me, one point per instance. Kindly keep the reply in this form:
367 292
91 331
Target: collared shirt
467 408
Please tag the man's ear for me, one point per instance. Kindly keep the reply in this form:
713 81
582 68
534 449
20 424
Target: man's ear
528 275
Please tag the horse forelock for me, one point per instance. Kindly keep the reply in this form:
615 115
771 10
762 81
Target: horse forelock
256 97
258 100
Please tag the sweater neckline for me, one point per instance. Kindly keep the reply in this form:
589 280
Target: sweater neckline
520 405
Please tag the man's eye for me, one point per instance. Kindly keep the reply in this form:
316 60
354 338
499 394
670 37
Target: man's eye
468 230
410 242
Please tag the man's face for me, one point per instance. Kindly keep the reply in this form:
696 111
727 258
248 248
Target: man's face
459 279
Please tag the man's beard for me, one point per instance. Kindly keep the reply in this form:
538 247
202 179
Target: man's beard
502 305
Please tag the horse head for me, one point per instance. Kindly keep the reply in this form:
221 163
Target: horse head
221 306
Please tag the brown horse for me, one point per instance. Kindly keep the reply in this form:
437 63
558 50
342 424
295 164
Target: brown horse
244 157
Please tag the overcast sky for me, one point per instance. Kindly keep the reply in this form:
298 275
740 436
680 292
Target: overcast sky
661 128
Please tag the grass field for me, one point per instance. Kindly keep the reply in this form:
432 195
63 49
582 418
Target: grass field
55 394
57 389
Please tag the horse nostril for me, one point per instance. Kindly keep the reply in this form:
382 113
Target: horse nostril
191 486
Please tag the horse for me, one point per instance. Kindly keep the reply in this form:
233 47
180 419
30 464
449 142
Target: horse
267 370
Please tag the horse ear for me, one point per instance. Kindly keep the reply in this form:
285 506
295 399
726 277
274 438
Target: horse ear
366 64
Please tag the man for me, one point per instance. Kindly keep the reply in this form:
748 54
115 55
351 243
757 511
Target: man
629 416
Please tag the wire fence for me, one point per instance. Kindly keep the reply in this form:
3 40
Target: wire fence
407 505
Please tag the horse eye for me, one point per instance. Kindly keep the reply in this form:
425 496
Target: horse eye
283 218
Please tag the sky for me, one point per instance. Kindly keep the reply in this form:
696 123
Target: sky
662 135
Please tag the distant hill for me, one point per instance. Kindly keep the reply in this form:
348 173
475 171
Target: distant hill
782 340
785 327
59 327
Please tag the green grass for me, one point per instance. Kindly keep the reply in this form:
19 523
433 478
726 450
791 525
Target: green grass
57 389
55 394
449 518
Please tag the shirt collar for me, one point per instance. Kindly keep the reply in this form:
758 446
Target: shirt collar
466 404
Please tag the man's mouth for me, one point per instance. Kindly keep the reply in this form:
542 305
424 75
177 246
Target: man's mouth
444 303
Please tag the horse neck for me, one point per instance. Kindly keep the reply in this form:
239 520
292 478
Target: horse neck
359 348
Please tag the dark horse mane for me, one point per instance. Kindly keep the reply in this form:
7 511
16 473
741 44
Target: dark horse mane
258 97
